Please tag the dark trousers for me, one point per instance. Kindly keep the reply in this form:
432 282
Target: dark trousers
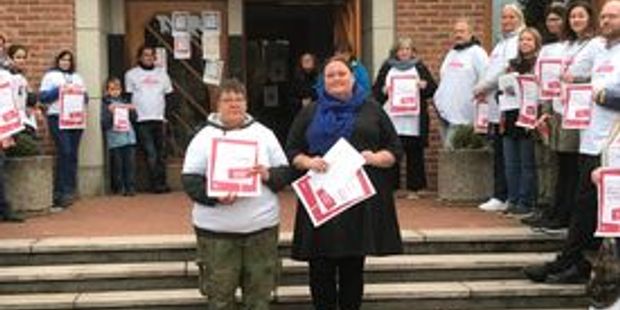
520 170
123 168
416 171
500 188
580 237
337 283
67 143
151 138
566 186
4 203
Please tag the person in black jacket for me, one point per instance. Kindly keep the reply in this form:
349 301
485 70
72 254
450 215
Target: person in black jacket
304 80
413 128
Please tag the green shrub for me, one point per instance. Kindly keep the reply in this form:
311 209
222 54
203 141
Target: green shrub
464 137
25 145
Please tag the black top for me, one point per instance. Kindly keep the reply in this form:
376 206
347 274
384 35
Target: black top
302 87
369 228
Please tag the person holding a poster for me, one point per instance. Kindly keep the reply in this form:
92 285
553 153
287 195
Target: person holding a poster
64 93
512 22
116 115
237 237
149 87
571 264
26 100
405 78
337 249
459 73
519 142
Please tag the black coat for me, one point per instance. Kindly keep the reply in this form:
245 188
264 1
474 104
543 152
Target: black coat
369 228
425 94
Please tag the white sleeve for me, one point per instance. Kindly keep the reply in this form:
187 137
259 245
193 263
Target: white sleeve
130 87
276 153
167 83
48 82
480 62
196 156
584 61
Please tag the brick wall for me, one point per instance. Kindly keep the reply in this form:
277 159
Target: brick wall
46 27
429 23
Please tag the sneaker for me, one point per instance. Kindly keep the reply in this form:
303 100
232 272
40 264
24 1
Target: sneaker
537 273
534 220
56 209
570 275
494 205
412 196
555 224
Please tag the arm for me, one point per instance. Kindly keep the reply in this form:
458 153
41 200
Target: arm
609 97
280 174
431 85
194 168
377 88
106 115
194 186
391 150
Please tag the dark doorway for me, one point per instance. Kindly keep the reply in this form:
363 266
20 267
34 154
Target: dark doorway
277 34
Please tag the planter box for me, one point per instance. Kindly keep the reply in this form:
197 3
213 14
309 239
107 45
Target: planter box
465 175
29 183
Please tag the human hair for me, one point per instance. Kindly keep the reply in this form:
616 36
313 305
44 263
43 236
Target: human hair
337 59
143 48
63 54
515 8
14 48
465 20
559 9
113 80
231 86
404 42
590 30
537 37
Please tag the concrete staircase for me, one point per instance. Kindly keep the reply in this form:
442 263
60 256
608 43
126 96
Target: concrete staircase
441 269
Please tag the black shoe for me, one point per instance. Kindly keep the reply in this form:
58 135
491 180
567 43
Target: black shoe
161 189
555 224
537 273
533 220
13 217
129 193
570 275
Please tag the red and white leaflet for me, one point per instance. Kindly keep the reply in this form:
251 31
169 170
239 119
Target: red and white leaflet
342 186
577 106
323 205
229 168
481 123
608 224
10 121
404 95
528 97
72 107
549 72
121 121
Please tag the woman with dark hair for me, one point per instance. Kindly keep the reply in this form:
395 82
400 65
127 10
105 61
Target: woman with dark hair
302 88
336 250
25 98
571 266
67 140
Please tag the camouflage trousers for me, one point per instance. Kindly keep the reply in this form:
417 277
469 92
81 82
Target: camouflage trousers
230 261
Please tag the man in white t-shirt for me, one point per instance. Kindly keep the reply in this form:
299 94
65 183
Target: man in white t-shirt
148 86
460 72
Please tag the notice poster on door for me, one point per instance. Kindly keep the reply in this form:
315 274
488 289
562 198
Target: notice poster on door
213 72
161 58
212 22
270 96
180 22
182 45
210 46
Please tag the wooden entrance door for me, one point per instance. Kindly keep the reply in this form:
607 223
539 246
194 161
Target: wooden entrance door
348 25
149 22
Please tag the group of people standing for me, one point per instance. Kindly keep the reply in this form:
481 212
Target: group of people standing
144 102
339 102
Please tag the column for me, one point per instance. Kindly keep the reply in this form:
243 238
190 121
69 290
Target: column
378 32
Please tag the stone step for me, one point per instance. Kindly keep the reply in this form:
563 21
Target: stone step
48 251
513 294
158 275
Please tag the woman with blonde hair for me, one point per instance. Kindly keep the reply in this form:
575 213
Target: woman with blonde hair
512 22
412 128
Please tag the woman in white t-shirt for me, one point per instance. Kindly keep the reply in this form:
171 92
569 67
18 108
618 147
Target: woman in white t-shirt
67 141
412 127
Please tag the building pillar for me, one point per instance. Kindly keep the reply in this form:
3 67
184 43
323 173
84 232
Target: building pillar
92 63
378 31
235 65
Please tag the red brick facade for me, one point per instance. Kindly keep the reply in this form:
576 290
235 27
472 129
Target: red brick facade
429 23
45 26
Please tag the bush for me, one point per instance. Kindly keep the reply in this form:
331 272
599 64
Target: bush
25 145
464 137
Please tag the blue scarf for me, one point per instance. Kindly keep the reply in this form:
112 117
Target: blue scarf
333 119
